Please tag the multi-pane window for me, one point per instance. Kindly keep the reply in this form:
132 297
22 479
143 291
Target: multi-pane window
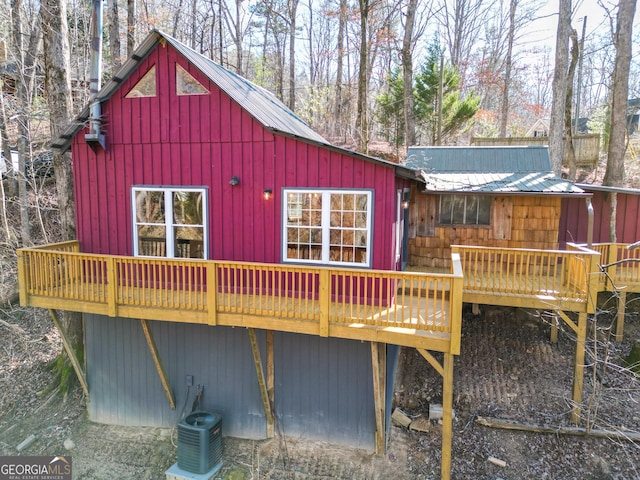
169 222
465 210
327 226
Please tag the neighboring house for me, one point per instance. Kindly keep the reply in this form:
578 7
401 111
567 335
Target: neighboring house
540 128
633 109
199 163
485 196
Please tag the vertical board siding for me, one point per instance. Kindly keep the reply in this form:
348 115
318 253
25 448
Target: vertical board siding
323 386
204 140
125 388
324 389
574 218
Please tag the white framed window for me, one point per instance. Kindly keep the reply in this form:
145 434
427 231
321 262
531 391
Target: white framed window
327 226
465 209
169 222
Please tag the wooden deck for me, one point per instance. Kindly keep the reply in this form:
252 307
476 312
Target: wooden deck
412 309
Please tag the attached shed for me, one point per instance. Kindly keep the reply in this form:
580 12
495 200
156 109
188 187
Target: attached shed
484 196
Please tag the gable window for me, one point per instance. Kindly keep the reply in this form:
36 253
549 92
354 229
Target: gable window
169 222
465 209
186 84
327 226
146 86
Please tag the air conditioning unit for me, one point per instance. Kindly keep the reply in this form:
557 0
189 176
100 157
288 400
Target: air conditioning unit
199 442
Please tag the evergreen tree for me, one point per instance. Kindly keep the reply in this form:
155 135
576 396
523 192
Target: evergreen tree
456 109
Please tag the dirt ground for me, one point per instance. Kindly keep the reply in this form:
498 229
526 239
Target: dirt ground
507 369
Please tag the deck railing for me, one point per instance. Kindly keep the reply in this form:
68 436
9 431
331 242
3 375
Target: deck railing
198 291
567 276
623 267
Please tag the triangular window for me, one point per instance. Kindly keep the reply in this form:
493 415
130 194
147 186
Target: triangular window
186 84
146 86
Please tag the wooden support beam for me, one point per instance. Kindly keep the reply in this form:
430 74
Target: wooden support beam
261 381
156 361
447 416
554 329
70 353
271 384
622 301
568 321
378 368
578 371
431 359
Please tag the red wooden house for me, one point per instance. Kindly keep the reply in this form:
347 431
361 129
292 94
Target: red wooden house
203 201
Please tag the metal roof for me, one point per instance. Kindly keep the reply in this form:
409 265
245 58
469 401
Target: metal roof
257 101
520 169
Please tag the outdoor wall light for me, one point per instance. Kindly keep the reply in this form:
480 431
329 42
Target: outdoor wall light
267 193
405 204
234 181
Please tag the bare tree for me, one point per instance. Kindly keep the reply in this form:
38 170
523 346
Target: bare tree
568 107
406 55
342 27
114 35
131 26
556 123
504 115
362 124
292 11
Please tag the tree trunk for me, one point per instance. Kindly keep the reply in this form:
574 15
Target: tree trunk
407 75
559 86
568 107
337 108
131 26
504 115
58 88
293 9
614 174
114 34
361 115
25 81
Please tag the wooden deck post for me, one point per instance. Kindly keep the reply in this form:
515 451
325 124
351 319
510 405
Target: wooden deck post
578 371
261 383
622 302
378 368
447 416
22 278
112 290
212 292
70 353
271 384
325 302
156 361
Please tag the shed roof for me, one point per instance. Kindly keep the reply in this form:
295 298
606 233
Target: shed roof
519 169
257 101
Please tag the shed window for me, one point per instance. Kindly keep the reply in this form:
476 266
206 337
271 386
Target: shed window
186 84
327 226
169 222
146 86
465 210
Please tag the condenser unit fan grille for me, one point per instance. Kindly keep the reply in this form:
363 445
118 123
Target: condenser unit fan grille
199 442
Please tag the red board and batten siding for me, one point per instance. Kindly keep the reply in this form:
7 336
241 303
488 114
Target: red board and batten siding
574 218
204 140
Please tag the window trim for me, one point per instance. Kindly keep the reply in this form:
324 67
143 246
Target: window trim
169 221
326 225
475 224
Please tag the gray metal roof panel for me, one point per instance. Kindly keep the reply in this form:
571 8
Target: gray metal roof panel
259 102
488 169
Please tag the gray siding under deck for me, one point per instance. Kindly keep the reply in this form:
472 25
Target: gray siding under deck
323 386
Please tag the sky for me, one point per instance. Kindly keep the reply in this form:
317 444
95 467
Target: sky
544 29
